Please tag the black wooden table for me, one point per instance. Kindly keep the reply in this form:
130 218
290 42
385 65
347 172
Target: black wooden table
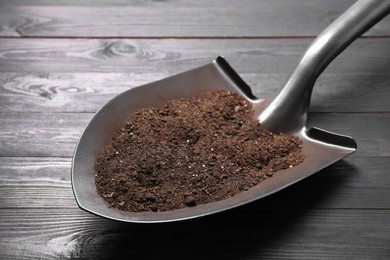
62 60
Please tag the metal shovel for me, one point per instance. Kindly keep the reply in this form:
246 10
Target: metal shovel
285 112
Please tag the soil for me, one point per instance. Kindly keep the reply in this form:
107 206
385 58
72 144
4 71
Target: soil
191 152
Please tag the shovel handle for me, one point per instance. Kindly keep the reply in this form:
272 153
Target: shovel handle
287 111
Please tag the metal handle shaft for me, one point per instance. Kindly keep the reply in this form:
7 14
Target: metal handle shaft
287 112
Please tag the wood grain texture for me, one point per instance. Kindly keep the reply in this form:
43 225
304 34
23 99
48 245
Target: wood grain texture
87 92
41 134
354 183
37 182
250 233
56 134
171 56
81 3
369 130
65 92
62 60
249 18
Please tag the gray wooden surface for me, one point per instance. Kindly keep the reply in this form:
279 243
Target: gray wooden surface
60 61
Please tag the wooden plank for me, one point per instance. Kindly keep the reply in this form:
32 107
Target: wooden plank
369 130
65 92
77 3
87 92
41 134
354 183
250 18
246 233
36 183
56 134
171 56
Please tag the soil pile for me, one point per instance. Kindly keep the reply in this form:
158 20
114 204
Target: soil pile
190 152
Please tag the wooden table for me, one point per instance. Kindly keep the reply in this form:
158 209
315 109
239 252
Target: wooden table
60 62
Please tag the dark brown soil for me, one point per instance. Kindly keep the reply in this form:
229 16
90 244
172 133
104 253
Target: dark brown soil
190 152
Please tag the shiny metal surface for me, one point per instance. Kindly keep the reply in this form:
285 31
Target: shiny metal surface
285 113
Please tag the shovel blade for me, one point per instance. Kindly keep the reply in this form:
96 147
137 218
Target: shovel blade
320 148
